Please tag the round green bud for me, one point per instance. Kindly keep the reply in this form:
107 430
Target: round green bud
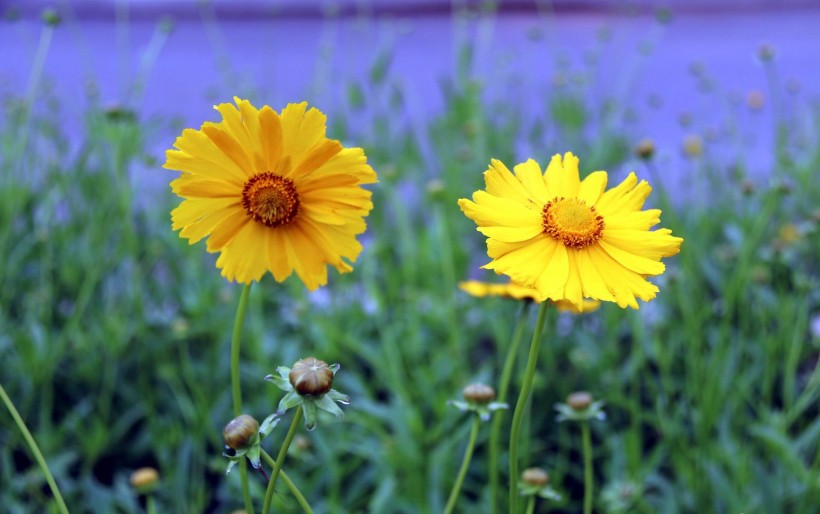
311 377
240 432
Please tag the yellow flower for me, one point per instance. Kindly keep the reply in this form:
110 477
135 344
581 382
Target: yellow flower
509 290
518 292
271 192
569 239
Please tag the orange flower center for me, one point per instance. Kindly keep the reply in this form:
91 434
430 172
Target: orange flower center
573 222
270 199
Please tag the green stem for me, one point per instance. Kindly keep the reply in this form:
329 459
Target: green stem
503 388
300 498
280 459
35 450
150 505
236 387
465 464
587 448
530 505
520 405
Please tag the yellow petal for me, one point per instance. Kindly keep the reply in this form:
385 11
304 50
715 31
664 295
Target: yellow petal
511 234
636 263
592 187
500 182
529 173
243 259
194 209
230 147
227 230
300 129
270 137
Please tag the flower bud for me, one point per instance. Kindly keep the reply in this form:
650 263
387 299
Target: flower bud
51 17
479 393
579 400
144 479
240 432
645 149
311 377
535 476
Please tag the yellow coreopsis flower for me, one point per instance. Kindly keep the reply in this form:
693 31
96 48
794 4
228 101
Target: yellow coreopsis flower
271 192
570 239
518 292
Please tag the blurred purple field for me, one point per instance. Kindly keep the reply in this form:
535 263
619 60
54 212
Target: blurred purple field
698 74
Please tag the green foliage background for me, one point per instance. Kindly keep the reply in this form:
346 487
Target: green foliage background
114 332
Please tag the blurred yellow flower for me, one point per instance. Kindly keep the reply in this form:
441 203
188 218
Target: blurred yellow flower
518 292
569 239
271 192
509 290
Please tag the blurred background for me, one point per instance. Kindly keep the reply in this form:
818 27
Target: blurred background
114 333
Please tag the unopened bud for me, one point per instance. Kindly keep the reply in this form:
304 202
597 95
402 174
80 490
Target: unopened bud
579 400
311 377
144 479
479 393
240 432
535 476
51 17
645 149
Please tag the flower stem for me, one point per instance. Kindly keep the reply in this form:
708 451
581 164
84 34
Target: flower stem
520 405
35 450
236 389
150 505
530 505
280 459
465 464
587 449
503 388
300 498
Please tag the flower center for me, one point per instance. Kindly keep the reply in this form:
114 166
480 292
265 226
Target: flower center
270 199
572 221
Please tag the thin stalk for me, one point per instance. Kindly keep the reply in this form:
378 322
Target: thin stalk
150 505
300 498
587 449
236 387
280 459
520 405
503 388
530 505
465 464
35 450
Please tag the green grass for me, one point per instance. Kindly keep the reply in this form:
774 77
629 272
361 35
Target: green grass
114 332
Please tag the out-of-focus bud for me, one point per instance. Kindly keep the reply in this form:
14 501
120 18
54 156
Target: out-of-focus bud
579 400
479 393
693 146
51 17
645 149
535 476
755 100
144 480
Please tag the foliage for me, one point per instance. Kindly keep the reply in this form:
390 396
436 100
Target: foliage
114 333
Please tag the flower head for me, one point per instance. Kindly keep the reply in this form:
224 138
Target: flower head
536 481
308 383
271 192
569 239
580 406
478 398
